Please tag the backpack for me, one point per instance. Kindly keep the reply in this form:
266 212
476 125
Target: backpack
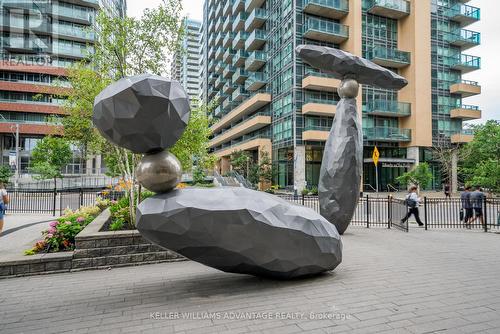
411 203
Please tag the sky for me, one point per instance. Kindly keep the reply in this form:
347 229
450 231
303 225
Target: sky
489 50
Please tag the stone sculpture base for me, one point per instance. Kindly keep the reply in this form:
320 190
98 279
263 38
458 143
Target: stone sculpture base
243 231
342 165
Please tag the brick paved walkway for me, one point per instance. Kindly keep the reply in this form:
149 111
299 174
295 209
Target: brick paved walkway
390 282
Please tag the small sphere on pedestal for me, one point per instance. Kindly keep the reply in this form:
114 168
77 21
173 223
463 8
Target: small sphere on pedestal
348 89
159 172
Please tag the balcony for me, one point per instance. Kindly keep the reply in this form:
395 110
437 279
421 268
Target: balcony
388 108
220 97
255 61
212 78
228 72
219 53
218 9
248 125
466 136
219 69
256 40
228 8
219 39
255 81
239 94
383 134
256 19
252 104
394 9
227 105
315 81
465 63
319 107
466 112
466 88
247 142
220 82
325 31
390 57
239 76
218 24
228 39
332 9
228 24
239 21
238 6
229 87
239 58
252 4
315 133
465 39
464 14
228 55
239 40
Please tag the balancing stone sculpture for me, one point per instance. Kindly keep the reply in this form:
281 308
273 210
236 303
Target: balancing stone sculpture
342 165
232 229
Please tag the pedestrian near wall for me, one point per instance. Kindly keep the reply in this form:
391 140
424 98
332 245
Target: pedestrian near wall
467 206
4 200
447 192
412 201
477 198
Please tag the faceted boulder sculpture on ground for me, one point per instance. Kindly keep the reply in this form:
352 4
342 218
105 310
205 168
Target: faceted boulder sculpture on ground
342 164
144 113
239 230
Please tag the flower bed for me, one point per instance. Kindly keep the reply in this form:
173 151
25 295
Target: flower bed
60 236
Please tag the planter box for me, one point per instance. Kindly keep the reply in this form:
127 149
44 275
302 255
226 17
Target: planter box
102 249
37 264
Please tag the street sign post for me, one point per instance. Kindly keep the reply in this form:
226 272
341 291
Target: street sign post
376 156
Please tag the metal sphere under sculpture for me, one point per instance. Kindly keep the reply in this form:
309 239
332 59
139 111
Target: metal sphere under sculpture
159 172
144 113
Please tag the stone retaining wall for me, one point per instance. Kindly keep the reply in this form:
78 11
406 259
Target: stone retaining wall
93 250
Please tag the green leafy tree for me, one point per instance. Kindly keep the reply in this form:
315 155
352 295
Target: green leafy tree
240 161
5 174
49 157
126 47
480 159
420 176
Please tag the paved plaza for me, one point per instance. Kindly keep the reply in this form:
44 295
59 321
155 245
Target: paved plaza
389 282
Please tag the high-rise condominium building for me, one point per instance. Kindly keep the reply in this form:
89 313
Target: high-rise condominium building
187 64
271 101
40 40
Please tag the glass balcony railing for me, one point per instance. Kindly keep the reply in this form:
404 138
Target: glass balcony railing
228 39
255 81
316 28
228 6
463 62
228 55
255 60
239 58
388 108
389 57
240 94
73 31
228 24
256 18
390 8
229 71
312 127
463 37
239 21
240 75
239 40
337 5
464 14
384 134
238 6
255 40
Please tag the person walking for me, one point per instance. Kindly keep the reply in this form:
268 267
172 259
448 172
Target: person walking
447 193
477 198
412 201
4 200
467 206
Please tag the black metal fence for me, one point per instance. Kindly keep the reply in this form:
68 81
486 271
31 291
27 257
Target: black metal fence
434 212
55 201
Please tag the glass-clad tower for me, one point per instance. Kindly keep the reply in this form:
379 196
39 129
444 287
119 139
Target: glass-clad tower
186 65
40 39
270 101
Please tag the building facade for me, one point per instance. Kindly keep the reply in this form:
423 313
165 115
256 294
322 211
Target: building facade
270 101
40 40
186 66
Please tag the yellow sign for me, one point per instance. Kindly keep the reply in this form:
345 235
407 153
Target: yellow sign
375 156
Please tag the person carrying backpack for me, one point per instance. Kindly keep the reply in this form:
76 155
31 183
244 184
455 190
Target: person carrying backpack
412 200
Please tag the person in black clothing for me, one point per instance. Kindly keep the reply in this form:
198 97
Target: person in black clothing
412 200
447 190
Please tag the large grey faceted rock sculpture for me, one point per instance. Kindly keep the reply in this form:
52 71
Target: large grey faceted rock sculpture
342 64
144 113
342 164
341 167
239 230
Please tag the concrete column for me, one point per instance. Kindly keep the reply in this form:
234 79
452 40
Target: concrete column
88 164
454 171
225 165
413 153
299 168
